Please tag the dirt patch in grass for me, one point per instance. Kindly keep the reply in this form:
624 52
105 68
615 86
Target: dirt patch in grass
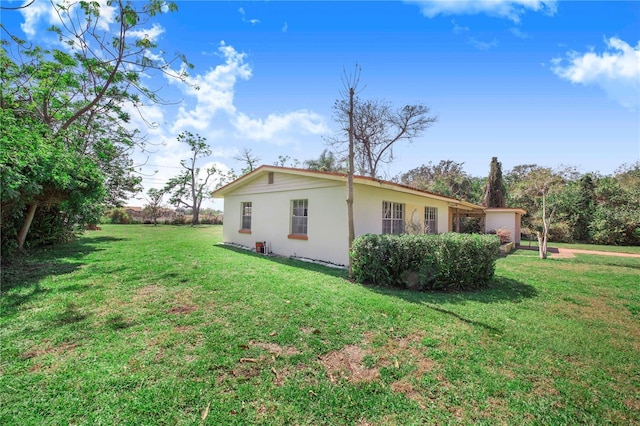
146 292
347 364
56 350
182 310
543 386
248 369
275 349
60 353
409 391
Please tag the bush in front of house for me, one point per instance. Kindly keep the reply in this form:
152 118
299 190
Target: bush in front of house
425 262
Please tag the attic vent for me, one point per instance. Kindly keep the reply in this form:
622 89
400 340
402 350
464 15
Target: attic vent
270 177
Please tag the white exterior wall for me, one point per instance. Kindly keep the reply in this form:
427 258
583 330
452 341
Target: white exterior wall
510 221
368 209
327 230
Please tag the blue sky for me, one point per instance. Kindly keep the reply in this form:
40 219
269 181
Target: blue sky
529 81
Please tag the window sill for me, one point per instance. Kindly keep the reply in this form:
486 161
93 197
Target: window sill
244 231
297 237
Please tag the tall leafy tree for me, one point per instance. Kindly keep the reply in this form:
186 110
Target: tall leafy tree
542 188
616 214
154 208
447 178
326 162
584 207
75 99
494 193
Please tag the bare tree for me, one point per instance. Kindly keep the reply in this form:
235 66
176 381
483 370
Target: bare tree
350 85
193 184
249 159
377 127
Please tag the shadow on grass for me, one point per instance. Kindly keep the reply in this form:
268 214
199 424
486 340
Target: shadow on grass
315 267
23 273
500 290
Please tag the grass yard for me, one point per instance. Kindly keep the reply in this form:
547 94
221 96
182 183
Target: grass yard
164 326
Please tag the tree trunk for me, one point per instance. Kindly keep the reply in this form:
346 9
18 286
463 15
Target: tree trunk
542 239
542 245
352 231
22 235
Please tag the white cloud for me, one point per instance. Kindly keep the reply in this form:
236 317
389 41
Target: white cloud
616 71
458 29
213 91
42 10
151 34
483 45
509 9
285 27
210 111
517 32
281 129
34 14
244 17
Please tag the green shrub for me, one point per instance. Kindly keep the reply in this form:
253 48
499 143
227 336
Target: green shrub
179 220
560 232
120 216
425 262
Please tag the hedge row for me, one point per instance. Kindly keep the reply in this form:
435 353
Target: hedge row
425 262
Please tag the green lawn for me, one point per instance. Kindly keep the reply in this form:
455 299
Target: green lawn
143 325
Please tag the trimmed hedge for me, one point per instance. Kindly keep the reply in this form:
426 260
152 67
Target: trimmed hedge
425 262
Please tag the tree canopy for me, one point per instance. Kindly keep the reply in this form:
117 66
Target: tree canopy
65 114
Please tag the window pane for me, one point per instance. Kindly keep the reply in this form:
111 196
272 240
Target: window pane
299 217
430 220
386 210
392 218
246 215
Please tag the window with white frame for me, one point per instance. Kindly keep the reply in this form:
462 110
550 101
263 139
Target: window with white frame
430 220
299 216
246 216
392 218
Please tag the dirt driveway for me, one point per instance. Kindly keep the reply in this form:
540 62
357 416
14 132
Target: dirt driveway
566 253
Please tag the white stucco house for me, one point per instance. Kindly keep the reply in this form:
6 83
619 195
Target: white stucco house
303 213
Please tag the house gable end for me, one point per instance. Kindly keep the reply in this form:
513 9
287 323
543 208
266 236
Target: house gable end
284 182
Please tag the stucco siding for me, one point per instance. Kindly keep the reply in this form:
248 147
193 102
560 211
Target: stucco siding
271 222
504 220
284 182
368 209
271 190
